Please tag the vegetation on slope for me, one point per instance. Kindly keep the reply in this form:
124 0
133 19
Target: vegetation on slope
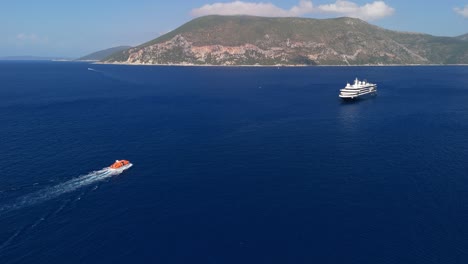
235 40
102 54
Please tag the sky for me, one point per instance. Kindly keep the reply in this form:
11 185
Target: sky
69 28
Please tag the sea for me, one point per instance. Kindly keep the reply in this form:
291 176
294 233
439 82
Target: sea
232 164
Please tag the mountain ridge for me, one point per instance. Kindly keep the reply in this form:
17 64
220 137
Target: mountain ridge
32 58
463 37
102 54
249 40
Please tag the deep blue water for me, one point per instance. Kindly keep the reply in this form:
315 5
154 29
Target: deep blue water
232 165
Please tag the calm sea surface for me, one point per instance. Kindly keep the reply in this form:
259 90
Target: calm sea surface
232 165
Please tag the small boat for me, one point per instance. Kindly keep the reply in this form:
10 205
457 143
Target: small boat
358 89
120 165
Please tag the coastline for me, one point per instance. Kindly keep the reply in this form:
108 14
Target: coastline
273 66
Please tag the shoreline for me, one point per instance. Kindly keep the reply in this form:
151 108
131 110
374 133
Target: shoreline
272 66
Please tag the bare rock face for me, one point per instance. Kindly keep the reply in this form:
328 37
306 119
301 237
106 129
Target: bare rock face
243 40
180 51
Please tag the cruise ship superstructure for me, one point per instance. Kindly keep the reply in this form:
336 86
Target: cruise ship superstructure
358 89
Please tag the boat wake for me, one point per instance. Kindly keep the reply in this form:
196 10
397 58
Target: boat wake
59 189
91 69
117 77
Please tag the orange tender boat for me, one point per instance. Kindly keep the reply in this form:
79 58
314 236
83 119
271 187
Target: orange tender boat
118 164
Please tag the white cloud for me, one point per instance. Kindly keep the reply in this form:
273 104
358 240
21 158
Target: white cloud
370 11
462 11
23 38
255 9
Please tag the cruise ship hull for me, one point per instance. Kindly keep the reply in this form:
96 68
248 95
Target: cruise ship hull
357 97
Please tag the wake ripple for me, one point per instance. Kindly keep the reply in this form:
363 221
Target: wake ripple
57 190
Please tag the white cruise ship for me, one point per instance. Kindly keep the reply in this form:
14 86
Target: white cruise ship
358 89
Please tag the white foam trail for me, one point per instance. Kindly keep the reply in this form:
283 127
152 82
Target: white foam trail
10 239
59 189
117 77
